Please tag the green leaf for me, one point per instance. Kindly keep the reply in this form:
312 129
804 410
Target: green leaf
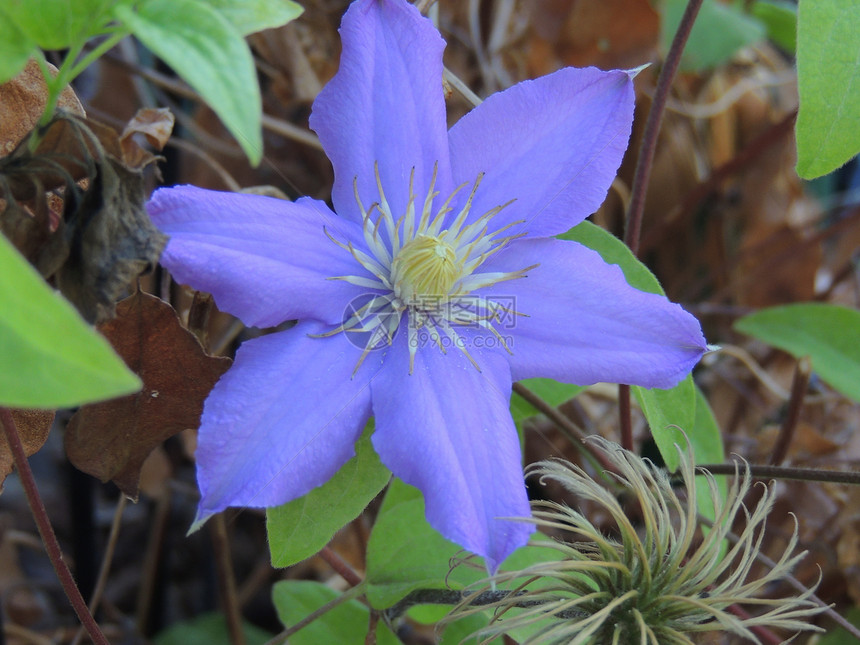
828 81
720 30
57 24
780 19
662 408
707 442
301 528
207 51
345 624
249 16
59 361
705 435
551 391
670 414
404 552
15 48
614 251
209 629
828 334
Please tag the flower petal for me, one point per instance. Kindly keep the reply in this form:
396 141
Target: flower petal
584 324
447 429
282 420
554 144
385 105
264 260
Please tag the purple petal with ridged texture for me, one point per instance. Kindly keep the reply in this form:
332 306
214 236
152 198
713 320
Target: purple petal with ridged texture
447 430
554 144
264 260
584 324
385 104
282 420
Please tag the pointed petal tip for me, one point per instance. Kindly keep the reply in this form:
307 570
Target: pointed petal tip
518 537
199 521
633 73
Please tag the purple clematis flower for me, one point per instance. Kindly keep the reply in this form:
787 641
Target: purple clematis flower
434 286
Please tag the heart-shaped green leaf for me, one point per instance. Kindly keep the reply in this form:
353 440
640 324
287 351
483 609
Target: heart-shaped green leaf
50 357
205 49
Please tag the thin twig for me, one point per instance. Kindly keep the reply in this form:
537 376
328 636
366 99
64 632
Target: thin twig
24 635
278 126
226 579
475 599
340 566
633 227
227 179
151 561
370 639
101 582
625 417
752 365
851 477
568 427
347 595
802 371
699 193
647 150
52 546
464 90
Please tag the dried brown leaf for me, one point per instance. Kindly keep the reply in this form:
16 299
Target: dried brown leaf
22 101
112 241
111 440
33 428
610 34
156 124
105 238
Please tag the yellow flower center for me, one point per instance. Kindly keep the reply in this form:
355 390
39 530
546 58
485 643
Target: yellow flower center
426 267
429 272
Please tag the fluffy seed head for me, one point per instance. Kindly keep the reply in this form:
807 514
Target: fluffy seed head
659 581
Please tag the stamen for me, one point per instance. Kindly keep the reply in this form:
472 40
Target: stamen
464 212
409 227
458 343
425 271
358 281
428 201
434 226
484 280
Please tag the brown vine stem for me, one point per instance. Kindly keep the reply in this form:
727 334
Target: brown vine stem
802 371
625 417
49 538
568 427
633 224
850 477
340 566
349 594
633 227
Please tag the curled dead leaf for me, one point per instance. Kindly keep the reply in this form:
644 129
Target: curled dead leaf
104 238
155 124
111 440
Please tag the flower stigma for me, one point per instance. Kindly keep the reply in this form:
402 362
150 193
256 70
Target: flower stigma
426 271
